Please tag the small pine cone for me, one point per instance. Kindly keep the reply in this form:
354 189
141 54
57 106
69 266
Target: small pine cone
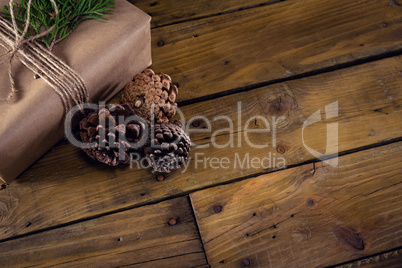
169 148
111 150
147 89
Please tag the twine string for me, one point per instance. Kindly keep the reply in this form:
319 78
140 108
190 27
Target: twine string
63 79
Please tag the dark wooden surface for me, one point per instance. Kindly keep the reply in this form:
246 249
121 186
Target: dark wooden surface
307 216
129 238
280 41
279 58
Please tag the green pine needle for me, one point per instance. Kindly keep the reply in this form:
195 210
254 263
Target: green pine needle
71 13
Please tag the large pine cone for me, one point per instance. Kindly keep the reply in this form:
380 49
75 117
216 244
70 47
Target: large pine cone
111 150
169 148
147 89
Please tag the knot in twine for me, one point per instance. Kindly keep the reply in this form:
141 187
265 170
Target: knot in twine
64 80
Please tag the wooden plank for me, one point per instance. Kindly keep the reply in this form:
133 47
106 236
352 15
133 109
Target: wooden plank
67 186
171 11
392 259
261 44
139 237
307 216
175 262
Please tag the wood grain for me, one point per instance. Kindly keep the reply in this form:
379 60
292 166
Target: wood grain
65 211
67 186
137 238
229 51
308 216
171 11
392 259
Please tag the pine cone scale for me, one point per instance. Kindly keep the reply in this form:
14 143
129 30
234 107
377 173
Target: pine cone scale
108 147
151 96
169 150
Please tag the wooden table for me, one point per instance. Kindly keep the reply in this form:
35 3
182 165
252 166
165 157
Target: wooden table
335 62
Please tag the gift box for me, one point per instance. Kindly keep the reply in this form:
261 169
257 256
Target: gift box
106 54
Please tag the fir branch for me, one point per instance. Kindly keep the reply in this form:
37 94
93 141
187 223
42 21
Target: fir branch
71 13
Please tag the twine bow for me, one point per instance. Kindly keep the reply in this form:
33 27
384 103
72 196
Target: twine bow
64 80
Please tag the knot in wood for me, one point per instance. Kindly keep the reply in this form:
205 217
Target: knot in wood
301 233
350 237
281 105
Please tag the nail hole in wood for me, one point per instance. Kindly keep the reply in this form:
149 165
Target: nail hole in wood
172 222
196 123
280 149
246 263
217 209
160 177
310 202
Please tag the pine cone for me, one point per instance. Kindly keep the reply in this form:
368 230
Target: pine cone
149 89
169 148
111 150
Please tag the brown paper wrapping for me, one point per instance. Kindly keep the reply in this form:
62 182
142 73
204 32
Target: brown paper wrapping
106 54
